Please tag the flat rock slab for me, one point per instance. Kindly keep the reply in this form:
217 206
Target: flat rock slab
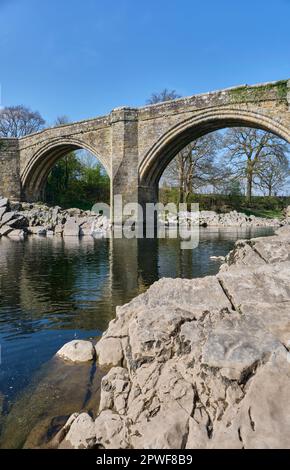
267 284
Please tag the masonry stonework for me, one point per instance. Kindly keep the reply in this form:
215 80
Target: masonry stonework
136 144
9 168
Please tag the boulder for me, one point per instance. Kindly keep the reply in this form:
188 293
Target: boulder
8 217
110 352
2 211
5 230
71 228
17 233
115 390
77 351
110 431
4 202
19 222
283 231
58 229
81 433
85 231
38 230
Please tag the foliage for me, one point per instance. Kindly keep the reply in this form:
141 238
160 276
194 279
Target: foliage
72 183
262 206
257 93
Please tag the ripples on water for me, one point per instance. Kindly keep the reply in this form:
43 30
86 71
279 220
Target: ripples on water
54 290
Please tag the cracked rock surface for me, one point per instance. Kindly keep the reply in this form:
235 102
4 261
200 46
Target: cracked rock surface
201 363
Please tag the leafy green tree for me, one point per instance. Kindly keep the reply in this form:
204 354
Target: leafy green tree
75 182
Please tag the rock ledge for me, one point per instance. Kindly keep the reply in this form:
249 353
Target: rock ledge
199 363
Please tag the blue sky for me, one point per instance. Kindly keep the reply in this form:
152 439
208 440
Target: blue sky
83 58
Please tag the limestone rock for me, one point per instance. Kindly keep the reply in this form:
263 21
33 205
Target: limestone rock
265 412
167 430
71 228
77 351
17 233
110 431
201 363
283 231
110 353
235 347
2 211
81 434
5 230
4 202
58 229
268 283
85 232
7 217
19 222
38 230
115 390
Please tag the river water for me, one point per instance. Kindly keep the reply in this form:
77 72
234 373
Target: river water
54 290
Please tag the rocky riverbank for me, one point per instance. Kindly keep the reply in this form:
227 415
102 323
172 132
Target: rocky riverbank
213 219
19 219
199 363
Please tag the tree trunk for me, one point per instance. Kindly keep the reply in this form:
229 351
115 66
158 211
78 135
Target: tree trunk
249 181
181 180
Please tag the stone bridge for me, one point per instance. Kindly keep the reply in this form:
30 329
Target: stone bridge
136 144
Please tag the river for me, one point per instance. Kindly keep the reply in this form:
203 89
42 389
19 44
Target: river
54 290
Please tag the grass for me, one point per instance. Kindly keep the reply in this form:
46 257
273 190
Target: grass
266 213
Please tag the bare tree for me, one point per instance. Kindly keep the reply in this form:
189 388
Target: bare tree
195 167
61 120
18 121
164 95
247 150
272 175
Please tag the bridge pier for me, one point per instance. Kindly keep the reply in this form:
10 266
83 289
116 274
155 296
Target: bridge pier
124 157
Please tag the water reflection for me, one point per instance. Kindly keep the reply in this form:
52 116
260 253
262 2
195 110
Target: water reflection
53 290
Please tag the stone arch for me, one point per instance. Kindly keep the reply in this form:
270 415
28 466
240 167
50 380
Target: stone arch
36 171
177 137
